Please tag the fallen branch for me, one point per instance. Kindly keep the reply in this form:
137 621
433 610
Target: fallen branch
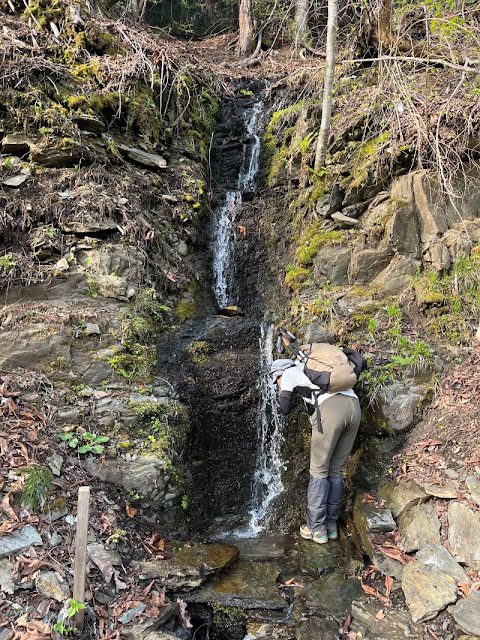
445 63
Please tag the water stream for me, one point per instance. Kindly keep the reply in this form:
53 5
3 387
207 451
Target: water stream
266 482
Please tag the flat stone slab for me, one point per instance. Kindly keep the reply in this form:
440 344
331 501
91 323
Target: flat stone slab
447 490
316 559
466 613
189 566
418 527
436 555
401 496
331 594
464 534
152 160
427 590
473 485
395 625
313 628
249 585
19 541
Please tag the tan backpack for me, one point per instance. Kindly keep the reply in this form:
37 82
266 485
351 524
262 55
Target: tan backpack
328 367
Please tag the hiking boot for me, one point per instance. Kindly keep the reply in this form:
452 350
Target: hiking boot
305 532
332 531
320 537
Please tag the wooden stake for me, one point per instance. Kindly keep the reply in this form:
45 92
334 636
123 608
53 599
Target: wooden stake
81 552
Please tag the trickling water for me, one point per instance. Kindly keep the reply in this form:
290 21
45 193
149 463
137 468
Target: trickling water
267 483
224 216
222 245
251 152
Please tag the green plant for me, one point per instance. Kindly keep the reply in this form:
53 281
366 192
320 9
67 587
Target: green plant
84 442
199 351
184 501
7 263
73 608
245 92
38 482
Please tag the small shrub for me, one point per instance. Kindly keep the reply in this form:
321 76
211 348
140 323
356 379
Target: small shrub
84 442
38 482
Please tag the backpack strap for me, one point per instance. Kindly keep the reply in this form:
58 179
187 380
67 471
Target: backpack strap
316 395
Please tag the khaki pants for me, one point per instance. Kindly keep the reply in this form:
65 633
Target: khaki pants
330 449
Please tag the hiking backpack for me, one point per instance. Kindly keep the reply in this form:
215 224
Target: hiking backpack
330 368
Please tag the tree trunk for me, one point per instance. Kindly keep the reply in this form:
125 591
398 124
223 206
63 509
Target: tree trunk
246 40
384 24
301 18
322 141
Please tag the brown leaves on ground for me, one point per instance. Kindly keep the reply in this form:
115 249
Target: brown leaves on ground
292 583
391 551
384 599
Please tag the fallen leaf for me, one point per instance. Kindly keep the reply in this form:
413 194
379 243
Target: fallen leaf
131 512
157 542
105 567
388 585
119 584
376 594
292 583
7 509
380 615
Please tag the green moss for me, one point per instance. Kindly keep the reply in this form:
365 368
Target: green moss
76 102
365 157
199 351
295 276
185 310
313 239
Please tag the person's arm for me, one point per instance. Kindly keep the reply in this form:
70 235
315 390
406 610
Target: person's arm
285 401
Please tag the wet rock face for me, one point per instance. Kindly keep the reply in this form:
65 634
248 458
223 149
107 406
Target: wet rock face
220 388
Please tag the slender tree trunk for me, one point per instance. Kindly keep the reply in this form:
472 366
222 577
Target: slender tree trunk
322 141
246 41
301 18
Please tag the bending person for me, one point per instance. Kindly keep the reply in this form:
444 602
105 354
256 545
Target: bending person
335 421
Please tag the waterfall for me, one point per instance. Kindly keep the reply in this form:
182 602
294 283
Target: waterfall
267 483
224 216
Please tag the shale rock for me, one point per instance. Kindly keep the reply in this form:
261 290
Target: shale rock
19 541
141 630
436 555
189 566
150 160
474 487
16 144
332 263
464 534
466 613
418 527
146 476
400 402
447 490
331 594
366 516
7 582
316 559
367 264
315 628
50 585
395 625
427 590
398 275
250 585
400 496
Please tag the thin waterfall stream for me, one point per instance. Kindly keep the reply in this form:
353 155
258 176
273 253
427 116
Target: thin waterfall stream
266 481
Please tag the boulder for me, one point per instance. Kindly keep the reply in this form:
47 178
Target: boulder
317 559
438 256
398 275
331 264
418 527
146 477
367 264
400 403
466 613
316 332
399 496
314 628
464 534
402 227
436 555
427 590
